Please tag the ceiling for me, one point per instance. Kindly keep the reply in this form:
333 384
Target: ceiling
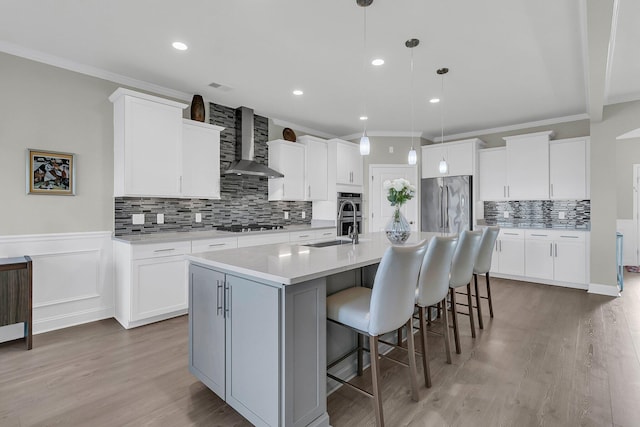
510 61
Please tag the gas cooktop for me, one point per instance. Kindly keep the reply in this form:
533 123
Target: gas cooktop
250 227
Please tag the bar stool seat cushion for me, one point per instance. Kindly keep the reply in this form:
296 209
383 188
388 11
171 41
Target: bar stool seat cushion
350 307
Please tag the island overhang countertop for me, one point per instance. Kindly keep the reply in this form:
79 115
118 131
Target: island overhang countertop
290 263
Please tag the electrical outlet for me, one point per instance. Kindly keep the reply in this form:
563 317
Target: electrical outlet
198 217
505 214
304 214
286 214
562 215
160 218
137 219
391 149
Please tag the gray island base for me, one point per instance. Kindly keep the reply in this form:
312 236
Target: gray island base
258 329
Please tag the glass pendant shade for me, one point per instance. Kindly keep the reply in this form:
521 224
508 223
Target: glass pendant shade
413 156
365 147
443 167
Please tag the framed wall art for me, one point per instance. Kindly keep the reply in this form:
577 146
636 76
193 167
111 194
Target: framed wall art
49 172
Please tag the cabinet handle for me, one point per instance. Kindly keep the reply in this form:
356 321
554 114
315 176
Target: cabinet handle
217 244
303 235
550 249
540 235
496 248
181 183
327 234
283 190
508 191
504 191
164 250
570 237
227 300
511 234
309 192
218 299
556 245
551 190
500 245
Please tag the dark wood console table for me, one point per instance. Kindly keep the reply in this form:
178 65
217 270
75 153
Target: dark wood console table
15 294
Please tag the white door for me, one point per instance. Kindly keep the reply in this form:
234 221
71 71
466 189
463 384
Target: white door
200 162
493 174
431 156
568 170
539 258
570 261
528 168
380 210
512 256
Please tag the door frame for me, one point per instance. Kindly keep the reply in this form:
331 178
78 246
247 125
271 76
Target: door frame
369 181
636 218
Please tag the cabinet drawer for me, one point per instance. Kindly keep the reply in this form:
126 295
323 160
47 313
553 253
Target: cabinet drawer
539 235
511 233
214 244
302 236
154 250
571 236
329 234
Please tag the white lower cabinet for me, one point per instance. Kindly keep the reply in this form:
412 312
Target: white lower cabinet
557 255
151 282
508 256
234 342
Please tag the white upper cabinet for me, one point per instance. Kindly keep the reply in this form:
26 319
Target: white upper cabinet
348 164
200 160
287 158
147 145
493 173
568 160
459 155
316 157
528 166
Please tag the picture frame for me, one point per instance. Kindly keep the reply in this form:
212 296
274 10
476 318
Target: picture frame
51 172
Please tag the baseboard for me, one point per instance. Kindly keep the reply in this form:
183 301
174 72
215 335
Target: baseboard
582 286
608 290
72 319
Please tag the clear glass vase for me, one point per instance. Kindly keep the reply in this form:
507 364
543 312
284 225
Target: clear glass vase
398 229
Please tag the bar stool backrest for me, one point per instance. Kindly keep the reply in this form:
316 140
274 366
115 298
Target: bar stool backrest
394 288
483 262
433 282
464 258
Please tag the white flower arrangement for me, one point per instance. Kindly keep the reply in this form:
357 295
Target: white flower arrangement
399 191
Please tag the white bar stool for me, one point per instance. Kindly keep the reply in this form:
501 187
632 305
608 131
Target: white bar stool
433 286
482 266
464 259
382 309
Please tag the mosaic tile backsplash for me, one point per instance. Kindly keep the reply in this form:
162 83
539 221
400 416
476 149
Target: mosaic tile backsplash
244 199
540 214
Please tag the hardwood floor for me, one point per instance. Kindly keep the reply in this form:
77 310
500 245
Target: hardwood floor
551 356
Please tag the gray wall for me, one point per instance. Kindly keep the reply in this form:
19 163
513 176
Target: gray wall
50 108
624 118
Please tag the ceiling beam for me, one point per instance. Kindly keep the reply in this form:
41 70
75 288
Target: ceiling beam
599 25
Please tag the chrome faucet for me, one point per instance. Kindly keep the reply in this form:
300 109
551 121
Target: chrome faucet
353 230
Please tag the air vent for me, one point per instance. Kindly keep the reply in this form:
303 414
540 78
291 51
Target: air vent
220 87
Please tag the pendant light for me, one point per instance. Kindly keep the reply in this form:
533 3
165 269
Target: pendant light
365 146
412 159
443 167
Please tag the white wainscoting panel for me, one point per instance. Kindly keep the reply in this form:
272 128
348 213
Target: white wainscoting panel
72 278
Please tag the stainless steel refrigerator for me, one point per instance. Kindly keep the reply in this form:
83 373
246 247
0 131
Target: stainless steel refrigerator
446 204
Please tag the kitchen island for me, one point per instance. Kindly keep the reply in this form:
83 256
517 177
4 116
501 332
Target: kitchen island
257 324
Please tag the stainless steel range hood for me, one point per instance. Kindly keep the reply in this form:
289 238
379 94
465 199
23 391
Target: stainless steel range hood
245 146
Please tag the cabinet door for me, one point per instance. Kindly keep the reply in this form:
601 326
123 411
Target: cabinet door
460 159
287 158
539 259
349 165
431 157
153 159
528 168
570 261
512 256
568 170
200 162
159 286
253 350
495 258
207 328
493 174
316 170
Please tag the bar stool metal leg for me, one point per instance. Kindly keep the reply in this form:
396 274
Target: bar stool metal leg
447 343
478 299
472 322
360 354
425 353
489 295
456 335
375 379
413 372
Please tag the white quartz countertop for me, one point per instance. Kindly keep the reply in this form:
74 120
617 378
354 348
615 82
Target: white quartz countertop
289 263
208 234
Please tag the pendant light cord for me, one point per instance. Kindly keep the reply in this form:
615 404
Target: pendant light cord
442 112
364 67
411 95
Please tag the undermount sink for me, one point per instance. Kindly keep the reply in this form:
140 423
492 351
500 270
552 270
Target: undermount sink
330 243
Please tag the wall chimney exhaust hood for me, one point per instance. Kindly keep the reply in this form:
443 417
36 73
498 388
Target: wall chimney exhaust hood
245 148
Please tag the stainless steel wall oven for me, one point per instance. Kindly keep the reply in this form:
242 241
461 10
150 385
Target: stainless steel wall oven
346 219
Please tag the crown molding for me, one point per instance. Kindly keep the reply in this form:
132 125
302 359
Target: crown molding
286 124
88 70
384 134
513 127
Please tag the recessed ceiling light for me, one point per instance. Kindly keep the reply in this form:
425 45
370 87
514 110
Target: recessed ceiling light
364 118
179 46
377 62
298 92
434 100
